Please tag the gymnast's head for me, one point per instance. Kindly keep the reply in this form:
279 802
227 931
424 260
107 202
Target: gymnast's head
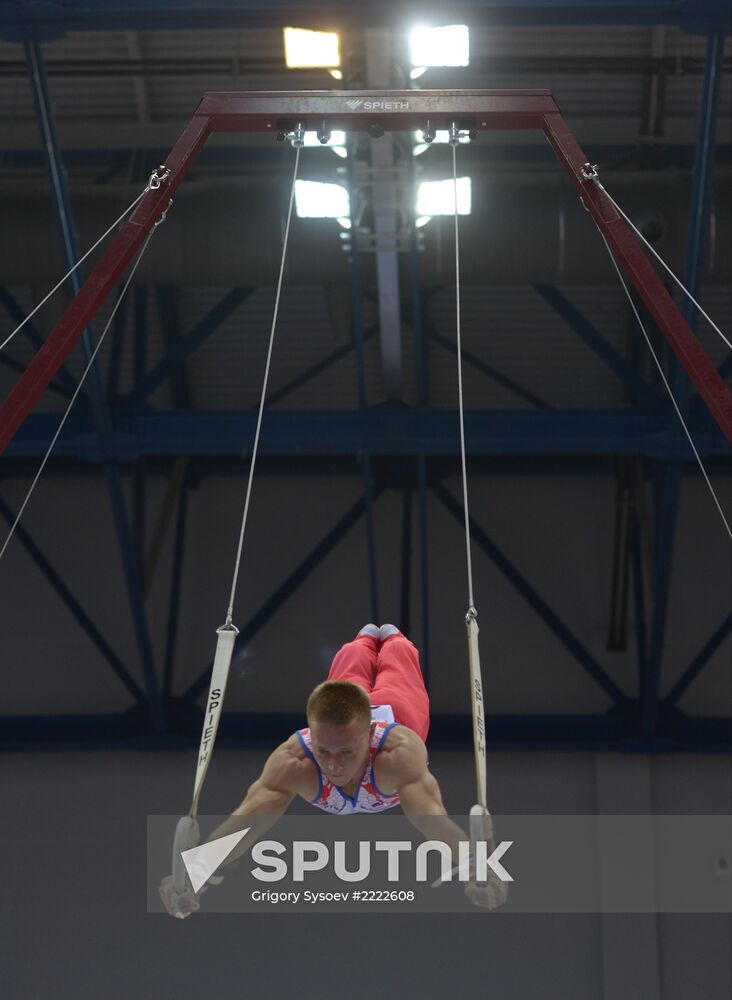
339 716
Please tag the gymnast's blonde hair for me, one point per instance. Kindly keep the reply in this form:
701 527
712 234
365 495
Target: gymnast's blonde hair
338 702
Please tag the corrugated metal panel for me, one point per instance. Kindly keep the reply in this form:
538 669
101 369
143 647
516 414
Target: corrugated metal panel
678 42
172 97
559 41
88 44
510 329
515 331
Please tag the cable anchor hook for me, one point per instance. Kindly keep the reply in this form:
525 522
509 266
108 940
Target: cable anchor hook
156 179
297 136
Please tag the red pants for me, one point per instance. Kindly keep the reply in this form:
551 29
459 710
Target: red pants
390 676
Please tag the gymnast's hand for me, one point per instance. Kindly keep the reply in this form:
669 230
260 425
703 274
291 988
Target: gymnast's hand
487 895
178 904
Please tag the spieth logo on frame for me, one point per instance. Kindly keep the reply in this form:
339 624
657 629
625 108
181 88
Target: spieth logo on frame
357 103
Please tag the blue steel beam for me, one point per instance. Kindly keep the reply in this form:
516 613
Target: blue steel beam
639 597
167 302
18 17
189 343
522 586
596 342
176 490
538 733
699 662
72 604
174 476
176 581
617 637
380 431
298 576
117 333
669 499
16 366
139 479
493 373
62 204
18 315
317 369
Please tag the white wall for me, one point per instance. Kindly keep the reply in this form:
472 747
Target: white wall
74 879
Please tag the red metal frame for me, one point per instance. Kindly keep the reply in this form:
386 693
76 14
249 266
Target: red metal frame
357 111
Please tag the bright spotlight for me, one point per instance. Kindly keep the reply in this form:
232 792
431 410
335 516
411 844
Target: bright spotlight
317 200
438 197
445 46
305 48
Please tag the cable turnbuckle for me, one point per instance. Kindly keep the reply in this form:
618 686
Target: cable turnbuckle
455 134
163 217
589 172
471 616
156 179
296 135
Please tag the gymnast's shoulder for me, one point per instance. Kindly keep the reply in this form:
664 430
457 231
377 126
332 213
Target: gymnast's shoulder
288 766
403 755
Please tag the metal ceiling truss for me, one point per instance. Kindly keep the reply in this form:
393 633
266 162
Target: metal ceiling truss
349 111
132 430
618 728
53 19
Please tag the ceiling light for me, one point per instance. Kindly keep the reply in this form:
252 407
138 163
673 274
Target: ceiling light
445 46
316 200
438 197
305 48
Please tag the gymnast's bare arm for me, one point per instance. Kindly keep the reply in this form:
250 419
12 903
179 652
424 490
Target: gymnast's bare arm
288 772
402 767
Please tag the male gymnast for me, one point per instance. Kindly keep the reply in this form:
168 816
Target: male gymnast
362 751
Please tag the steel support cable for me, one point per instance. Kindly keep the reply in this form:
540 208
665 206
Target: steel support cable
153 183
666 383
481 827
77 390
187 832
228 632
461 410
